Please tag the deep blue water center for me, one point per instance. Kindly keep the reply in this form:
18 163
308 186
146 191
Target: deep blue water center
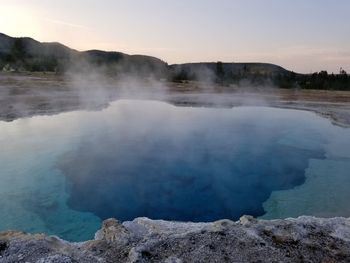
187 164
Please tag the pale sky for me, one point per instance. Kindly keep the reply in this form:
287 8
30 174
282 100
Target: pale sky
300 35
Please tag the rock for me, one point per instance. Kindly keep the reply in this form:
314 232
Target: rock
247 220
112 231
303 239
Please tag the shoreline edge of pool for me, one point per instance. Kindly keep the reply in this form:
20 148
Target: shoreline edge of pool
302 239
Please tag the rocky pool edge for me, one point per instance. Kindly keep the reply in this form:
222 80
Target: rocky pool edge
302 239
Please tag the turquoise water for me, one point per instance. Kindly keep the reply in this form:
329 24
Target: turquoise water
63 174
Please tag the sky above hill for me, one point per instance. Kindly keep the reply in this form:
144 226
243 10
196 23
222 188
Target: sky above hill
303 36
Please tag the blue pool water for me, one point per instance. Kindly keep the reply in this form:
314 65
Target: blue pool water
63 174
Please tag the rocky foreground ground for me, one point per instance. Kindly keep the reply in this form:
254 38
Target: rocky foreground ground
304 239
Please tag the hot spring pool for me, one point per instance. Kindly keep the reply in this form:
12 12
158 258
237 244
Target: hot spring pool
63 174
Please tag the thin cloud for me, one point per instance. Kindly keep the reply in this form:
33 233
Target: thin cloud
68 24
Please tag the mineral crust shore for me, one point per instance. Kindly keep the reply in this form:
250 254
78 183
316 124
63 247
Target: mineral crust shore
303 239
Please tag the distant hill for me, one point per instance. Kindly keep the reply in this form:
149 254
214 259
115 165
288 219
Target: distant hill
25 47
27 54
36 56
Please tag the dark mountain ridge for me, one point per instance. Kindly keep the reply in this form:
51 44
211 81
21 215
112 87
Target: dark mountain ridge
23 48
26 54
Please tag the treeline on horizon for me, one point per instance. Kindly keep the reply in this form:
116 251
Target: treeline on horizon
267 75
27 55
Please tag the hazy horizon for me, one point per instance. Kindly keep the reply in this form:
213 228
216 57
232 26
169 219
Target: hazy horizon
300 36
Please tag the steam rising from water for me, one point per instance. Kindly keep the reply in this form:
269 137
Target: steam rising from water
94 86
203 164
